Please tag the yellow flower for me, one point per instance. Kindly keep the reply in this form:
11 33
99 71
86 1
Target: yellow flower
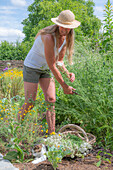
25 103
35 123
53 133
46 136
40 125
27 119
46 123
30 113
59 134
29 130
58 146
33 131
24 114
41 130
22 119
1 118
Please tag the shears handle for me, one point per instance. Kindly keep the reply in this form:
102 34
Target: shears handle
76 93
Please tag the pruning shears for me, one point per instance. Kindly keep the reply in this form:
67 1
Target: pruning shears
76 93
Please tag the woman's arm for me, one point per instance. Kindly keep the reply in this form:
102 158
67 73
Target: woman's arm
51 61
61 66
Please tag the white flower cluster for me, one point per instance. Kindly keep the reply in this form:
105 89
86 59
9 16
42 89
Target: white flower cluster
53 140
58 141
84 149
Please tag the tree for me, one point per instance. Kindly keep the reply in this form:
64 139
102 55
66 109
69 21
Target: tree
41 12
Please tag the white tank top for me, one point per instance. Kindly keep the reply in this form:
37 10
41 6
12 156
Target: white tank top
36 56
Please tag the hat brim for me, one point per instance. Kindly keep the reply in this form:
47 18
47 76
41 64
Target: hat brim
74 24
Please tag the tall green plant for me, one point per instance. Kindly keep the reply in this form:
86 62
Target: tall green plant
107 41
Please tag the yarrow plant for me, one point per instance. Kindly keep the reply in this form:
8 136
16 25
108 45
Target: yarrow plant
60 146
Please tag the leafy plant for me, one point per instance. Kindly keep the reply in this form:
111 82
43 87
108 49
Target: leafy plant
103 158
107 39
14 142
55 155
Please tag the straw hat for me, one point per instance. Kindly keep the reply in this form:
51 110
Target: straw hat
66 19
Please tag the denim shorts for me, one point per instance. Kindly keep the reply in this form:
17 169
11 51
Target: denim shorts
33 75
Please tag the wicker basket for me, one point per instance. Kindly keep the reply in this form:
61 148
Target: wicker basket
78 131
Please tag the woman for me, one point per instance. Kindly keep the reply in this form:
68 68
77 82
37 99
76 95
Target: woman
46 57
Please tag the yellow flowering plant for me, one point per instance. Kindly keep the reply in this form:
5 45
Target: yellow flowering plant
11 82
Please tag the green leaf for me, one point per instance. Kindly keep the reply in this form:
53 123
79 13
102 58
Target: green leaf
16 129
11 155
98 163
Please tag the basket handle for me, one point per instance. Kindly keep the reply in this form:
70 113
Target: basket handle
75 127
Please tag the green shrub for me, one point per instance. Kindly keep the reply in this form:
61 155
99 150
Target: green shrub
11 51
94 82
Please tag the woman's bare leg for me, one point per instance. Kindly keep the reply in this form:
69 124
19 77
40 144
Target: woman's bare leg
48 87
30 96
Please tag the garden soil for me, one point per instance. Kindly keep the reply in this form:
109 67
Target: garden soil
14 64
88 163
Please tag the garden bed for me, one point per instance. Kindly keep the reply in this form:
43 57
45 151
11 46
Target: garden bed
89 162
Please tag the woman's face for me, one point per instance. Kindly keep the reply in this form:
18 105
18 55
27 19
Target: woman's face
64 31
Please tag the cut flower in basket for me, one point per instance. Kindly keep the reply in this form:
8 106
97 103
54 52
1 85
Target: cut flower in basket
71 143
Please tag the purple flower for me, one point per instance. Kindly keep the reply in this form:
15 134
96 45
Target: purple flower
5 69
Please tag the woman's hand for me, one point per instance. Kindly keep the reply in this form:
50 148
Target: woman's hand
68 90
72 77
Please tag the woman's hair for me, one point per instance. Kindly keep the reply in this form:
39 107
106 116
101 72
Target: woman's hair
53 29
